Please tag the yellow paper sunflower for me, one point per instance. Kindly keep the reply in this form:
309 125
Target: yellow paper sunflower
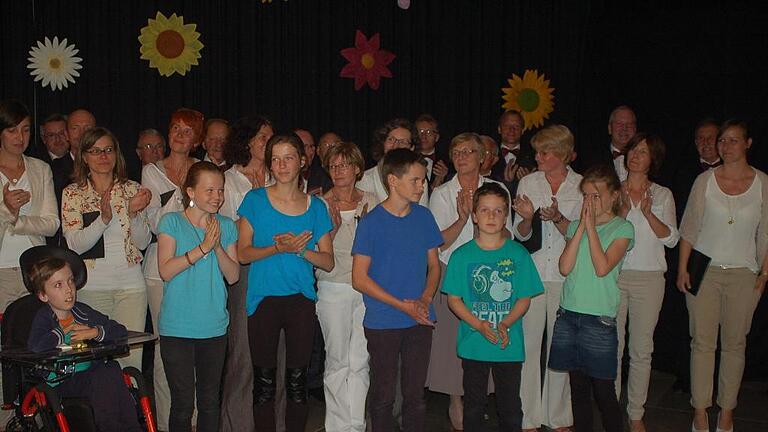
531 96
170 45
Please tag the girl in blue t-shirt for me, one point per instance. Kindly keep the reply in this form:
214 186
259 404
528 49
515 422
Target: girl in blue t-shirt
584 339
196 252
284 232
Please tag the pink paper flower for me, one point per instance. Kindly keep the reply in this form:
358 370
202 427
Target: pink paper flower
367 63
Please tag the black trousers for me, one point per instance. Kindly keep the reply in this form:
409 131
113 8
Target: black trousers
506 379
194 367
583 387
102 384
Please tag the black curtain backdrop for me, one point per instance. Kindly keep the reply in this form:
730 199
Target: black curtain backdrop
673 62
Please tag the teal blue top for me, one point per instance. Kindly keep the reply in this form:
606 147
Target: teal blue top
195 300
489 283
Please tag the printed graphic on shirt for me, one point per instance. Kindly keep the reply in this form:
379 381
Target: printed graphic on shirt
491 290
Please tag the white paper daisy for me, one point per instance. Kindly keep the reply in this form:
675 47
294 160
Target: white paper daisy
54 63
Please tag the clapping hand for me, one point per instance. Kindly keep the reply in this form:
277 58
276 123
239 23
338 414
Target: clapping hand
464 204
212 238
289 243
551 213
139 202
523 206
105 206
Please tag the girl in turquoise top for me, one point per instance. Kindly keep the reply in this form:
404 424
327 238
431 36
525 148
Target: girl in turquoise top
284 232
584 340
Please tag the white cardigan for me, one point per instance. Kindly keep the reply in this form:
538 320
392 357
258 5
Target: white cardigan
42 219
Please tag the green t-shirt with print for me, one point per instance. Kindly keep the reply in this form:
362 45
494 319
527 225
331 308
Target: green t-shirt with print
489 283
584 291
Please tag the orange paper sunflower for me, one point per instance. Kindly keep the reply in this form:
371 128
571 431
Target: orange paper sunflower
170 45
531 96
367 63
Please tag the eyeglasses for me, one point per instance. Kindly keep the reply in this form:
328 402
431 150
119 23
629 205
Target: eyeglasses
341 166
427 132
95 151
465 152
399 141
157 146
55 135
184 132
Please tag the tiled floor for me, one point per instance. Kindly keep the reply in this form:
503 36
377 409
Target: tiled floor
666 411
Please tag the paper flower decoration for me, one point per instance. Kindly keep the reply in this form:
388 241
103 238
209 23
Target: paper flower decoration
54 63
404 4
531 96
367 63
170 45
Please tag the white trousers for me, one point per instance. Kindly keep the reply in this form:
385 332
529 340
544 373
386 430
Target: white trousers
162 392
642 293
550 406
340 310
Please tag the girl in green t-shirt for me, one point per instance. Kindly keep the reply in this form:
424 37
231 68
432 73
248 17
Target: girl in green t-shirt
584 340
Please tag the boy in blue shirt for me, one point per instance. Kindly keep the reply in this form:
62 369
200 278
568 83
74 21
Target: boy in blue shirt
395 266
490 281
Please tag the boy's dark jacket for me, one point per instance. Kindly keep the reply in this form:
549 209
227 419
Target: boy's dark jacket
46 333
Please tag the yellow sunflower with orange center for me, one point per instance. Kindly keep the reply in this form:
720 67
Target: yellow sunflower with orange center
170 45
531 96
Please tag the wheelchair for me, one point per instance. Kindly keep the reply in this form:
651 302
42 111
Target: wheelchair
36 405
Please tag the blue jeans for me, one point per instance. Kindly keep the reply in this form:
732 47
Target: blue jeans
586 343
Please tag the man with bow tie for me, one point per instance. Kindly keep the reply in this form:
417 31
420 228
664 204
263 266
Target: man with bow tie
622 126
516 160
429 134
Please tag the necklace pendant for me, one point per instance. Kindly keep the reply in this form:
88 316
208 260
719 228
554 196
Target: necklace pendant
14 181
730 221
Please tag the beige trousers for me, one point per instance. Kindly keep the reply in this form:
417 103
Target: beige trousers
642 293
126 306
726 300
11 288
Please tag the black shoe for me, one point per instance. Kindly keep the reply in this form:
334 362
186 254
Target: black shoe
317 393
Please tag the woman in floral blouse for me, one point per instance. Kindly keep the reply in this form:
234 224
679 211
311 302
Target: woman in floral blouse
103 220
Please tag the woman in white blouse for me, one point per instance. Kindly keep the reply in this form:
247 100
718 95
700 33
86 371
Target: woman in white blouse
164 180
245 151
726 219
103 220
554 191
451 205
28 209
650 208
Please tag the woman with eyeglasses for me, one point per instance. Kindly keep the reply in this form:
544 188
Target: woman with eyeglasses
397 133
104 220
726 219
451 204
340 308
165 179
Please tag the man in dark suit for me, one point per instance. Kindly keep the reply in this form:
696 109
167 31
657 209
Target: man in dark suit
318 180
705 137
78 121
490 158
55 141
516 159
436 157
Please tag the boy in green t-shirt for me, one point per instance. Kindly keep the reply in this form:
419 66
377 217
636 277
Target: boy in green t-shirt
489 282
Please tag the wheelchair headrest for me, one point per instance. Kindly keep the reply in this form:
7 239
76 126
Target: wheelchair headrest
37 253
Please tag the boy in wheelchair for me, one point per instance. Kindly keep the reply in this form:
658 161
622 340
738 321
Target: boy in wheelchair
64 321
